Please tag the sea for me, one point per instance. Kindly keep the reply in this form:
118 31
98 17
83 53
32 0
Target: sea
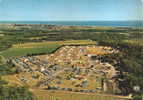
82 23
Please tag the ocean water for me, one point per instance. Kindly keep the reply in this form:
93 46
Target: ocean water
82 23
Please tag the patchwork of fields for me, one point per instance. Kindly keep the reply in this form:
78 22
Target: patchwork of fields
41 47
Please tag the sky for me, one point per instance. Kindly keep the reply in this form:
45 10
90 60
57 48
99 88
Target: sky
71 10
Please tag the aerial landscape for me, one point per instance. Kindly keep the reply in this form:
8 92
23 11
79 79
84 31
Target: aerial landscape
65 56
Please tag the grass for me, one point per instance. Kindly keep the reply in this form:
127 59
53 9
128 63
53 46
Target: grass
11 79
138 42
20 51
40 47
61 95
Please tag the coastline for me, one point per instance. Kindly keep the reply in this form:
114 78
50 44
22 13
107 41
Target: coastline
125 24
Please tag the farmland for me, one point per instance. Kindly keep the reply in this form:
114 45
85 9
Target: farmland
41 47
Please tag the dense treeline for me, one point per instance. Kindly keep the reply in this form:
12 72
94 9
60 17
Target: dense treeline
130 63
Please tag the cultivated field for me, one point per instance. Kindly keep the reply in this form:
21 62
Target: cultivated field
40 47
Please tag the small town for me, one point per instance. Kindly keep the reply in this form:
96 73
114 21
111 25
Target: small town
70 68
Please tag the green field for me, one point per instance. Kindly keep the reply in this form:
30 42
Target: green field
40 47
19 51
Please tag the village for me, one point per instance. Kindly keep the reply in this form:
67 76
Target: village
70 68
